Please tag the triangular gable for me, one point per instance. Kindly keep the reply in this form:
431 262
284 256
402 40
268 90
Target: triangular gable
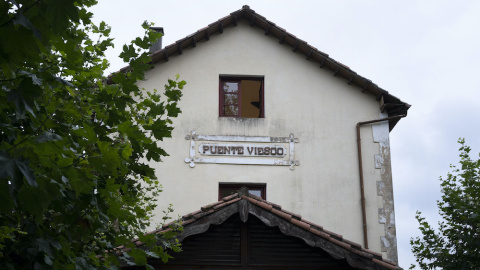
388 103
245 205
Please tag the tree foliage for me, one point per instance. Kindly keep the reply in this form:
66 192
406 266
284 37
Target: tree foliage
456 242
74 176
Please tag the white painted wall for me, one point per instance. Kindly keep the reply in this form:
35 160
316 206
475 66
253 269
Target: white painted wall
300 98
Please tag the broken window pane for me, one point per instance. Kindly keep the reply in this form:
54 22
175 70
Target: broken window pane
231 99
231 110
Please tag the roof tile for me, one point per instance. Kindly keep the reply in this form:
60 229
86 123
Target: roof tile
225 203
320 233
220 205
187 216
282 214
233 201
377 255
188 221
340 243
362 253
168 224
300 224
299 217
210 206
230 197
275 206
265 206
153 232
313 224
203 213
353 244
166 230
333 234
255 197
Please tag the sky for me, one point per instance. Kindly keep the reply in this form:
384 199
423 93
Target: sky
424 52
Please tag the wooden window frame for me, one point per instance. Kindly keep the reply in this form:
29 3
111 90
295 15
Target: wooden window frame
237 78
254 186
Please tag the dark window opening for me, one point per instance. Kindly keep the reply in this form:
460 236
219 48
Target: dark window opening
226 189
241 97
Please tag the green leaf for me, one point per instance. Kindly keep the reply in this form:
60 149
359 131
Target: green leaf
47 136
24 95
7 165
26 171
128 52
32 76
160 129
127 151
139 256
173 94
48 260
173 110
44 246
22 20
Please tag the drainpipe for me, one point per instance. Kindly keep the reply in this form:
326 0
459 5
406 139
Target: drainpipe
360 169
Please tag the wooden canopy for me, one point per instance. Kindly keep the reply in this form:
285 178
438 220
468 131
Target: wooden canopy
243 231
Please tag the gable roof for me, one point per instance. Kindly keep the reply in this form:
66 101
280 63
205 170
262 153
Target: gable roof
388 103
289 223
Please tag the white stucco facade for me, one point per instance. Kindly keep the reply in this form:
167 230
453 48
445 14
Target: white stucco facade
321 110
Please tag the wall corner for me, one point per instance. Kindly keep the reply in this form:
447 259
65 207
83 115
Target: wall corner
386 215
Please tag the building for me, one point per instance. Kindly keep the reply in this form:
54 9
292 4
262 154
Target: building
266 110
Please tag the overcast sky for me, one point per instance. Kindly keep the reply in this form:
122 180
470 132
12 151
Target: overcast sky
427 53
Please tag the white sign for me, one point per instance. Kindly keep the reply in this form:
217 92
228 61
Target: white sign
235 152
251 150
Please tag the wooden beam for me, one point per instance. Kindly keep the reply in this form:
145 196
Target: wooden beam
335 73
221 27
367 83
194 42
282 38
296 46
235 20
252 21
180 49
267 30
165 55
350 80
322 64
207 35
309 55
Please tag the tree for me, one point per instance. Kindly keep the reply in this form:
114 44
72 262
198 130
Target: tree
74 176
456 242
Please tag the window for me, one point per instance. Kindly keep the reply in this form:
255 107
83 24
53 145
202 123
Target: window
241 96
226 189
